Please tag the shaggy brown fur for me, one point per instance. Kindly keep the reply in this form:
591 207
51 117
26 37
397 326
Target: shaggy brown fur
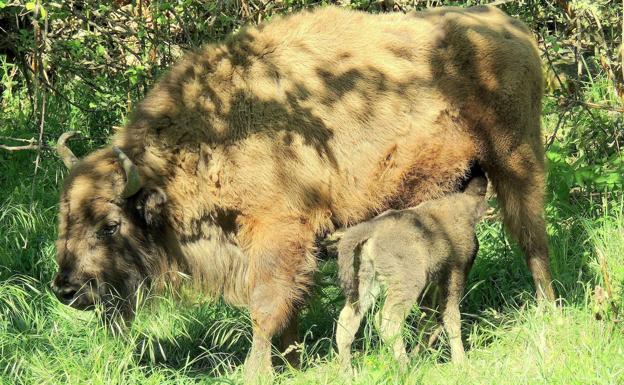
402 252
251 148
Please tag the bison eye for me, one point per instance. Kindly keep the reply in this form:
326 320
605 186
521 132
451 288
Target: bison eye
108 230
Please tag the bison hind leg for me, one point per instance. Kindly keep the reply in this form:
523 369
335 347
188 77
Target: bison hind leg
519 182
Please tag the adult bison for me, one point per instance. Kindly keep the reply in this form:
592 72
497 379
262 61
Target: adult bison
247 150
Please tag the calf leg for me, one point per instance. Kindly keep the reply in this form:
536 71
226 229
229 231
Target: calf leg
429 307
392 316
434 336
348 324
452 293
352 313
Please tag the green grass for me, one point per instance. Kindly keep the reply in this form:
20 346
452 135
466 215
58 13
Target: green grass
509 338
42 341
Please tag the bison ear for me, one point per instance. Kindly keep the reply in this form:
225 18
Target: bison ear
150 206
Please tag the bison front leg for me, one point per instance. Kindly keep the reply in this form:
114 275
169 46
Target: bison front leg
280 274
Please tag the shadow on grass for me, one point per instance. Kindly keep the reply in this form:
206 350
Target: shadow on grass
202 340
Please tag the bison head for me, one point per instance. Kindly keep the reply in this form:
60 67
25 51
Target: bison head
111 230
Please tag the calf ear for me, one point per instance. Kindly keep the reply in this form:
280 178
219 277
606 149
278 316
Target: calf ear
150 205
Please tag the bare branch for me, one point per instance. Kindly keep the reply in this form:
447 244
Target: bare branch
550 62
32 144
31 140
601 106
20 148
40 46
562 118
597 106
58 93
500 2
41 127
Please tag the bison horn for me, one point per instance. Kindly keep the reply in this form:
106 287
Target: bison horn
66 155
133 179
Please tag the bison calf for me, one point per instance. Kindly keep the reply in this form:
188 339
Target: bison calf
402 251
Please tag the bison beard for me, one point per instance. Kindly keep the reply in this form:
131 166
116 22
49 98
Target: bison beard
247 151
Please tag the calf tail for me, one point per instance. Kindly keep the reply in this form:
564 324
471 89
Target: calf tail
349 260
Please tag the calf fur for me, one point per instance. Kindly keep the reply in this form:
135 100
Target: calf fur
401 252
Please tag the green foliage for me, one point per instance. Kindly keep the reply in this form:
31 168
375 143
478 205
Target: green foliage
96 59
